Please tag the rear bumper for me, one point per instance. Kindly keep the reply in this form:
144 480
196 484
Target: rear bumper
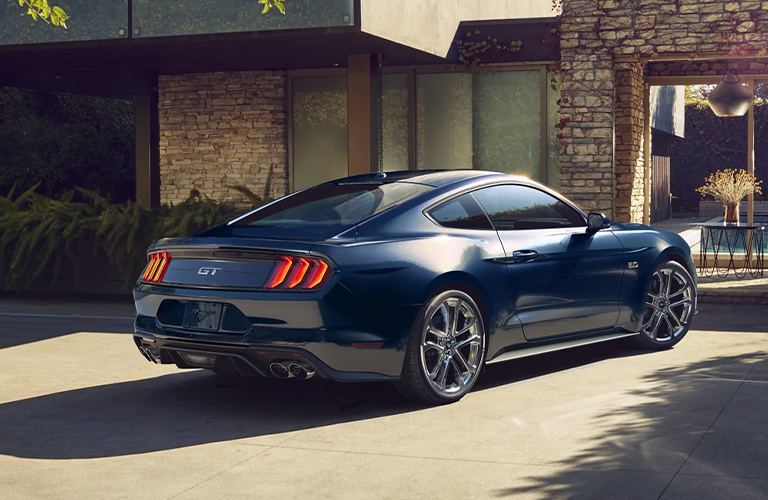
332 332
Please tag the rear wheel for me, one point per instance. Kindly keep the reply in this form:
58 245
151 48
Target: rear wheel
445 351
669 307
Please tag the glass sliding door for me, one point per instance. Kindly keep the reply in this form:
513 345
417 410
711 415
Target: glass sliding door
507 122
319 130
443 121
395 122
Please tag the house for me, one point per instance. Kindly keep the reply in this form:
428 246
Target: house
226 95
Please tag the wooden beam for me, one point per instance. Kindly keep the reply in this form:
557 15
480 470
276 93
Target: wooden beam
647 154
147 130
362 89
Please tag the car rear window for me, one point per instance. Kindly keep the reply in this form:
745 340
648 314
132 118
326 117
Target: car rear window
333 205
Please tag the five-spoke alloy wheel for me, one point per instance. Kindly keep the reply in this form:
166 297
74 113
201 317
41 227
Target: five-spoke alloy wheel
670 304
446 349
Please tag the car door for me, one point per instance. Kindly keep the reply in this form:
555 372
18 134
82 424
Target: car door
564 279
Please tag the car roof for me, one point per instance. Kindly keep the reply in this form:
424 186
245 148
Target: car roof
434 178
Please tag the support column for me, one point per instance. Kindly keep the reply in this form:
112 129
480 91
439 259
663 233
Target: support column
751 152
147 139
629 162
363 91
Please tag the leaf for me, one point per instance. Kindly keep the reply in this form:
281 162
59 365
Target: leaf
32 13
280 7
60 12
266 8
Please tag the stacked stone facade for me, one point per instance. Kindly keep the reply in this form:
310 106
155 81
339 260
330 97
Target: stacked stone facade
219 130
607 48
629 163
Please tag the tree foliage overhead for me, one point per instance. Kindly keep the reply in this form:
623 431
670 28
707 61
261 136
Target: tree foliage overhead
55 15
40 9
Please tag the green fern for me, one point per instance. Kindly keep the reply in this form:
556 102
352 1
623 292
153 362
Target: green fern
40 236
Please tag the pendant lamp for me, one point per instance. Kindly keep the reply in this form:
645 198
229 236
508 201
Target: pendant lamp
730 98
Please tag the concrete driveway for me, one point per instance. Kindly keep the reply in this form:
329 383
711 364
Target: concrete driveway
83 415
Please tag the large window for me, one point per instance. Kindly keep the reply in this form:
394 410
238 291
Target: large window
319 130
395 122
432 119
507 122
488 121
443 121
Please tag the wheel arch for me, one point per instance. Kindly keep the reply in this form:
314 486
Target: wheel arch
462 282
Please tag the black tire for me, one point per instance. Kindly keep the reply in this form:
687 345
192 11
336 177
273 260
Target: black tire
668 315
449 354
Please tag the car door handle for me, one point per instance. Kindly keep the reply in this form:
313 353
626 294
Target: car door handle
524 255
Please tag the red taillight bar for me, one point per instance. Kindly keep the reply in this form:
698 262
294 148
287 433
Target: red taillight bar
298 273
156 268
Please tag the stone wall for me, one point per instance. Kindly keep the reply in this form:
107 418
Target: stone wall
629 162
600 41
218 130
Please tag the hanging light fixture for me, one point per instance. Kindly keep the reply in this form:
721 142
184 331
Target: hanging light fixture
730 97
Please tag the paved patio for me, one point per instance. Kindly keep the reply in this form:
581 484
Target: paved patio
83 415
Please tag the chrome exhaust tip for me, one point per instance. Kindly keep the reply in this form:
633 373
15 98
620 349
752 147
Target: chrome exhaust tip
300 372
279 371
151 353
144 353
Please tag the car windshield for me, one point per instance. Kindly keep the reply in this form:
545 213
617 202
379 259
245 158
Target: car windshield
333 205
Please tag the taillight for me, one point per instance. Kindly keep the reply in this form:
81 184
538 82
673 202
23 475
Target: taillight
298 273
156 268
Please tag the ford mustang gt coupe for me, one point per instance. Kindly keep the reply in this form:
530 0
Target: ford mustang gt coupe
419 277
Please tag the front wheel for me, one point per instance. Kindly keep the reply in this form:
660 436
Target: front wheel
445 350
670 304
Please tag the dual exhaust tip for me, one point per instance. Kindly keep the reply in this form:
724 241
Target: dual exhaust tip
291 369
150 353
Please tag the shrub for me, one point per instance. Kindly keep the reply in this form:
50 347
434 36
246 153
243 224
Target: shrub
39 233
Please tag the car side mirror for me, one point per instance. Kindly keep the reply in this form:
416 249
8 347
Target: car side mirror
596 222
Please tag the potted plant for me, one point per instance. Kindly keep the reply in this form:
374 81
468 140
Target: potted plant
729 187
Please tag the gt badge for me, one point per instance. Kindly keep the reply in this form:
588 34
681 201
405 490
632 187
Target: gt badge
206 271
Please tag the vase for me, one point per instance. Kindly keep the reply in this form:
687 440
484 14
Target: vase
732 213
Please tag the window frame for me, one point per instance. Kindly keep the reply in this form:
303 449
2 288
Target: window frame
518 182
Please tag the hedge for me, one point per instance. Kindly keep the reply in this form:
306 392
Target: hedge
40 233
712 144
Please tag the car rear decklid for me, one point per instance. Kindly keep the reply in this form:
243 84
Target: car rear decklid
233 264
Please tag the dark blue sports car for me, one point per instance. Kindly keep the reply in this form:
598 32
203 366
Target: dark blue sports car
415 277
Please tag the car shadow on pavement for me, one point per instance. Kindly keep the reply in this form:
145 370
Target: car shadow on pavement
190 408
543 364
16 331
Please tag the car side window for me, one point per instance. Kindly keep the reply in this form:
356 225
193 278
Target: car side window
462 212
513 207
